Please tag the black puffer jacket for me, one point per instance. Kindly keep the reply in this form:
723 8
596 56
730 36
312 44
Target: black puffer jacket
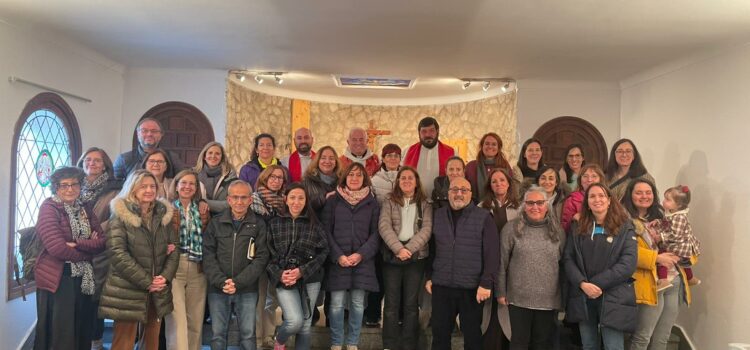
619 310
316 191
227 252
136 255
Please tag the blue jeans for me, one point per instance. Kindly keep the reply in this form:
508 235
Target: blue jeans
297 319
612 338
220 305
356 310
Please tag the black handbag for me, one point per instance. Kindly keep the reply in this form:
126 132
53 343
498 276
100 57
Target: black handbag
390 258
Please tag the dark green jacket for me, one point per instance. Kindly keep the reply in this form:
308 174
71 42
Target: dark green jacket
226 252
136 255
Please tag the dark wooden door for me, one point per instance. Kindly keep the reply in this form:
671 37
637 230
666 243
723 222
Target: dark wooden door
186 129
560 132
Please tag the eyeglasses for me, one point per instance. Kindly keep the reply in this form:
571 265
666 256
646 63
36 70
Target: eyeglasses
239 198
621 152
275 178
149 131
155 162
575 156
540 203
73 186
464 190
93 160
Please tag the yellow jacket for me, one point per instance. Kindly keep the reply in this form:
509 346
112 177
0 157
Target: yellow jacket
645 272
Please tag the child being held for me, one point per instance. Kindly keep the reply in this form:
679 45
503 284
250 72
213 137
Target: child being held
675 235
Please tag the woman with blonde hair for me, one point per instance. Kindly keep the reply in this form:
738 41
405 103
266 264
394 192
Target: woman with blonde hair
215 173
138 285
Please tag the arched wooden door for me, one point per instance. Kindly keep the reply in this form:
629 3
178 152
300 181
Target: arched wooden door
186 129
560 132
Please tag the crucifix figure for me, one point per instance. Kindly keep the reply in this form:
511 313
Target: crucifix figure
373 133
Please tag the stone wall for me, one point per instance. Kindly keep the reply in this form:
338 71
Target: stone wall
249 113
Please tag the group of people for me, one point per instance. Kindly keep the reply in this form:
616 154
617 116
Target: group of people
504 248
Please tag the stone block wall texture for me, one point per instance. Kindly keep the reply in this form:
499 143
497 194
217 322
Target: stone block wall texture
250 112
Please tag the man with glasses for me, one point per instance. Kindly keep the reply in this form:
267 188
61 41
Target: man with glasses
464 267
234 257
298 161
149 136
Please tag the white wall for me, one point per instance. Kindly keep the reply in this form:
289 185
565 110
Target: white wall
147 87
691 126
65 66
540 100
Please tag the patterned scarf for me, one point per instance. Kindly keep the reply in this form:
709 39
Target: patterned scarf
91 190
353 197
81 229
191 236
267 202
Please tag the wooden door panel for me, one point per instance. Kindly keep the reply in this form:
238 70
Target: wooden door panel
187 129
558 133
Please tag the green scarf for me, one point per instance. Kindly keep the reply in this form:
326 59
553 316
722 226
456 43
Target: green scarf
191 237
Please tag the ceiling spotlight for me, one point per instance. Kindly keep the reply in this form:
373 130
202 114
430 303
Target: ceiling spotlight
259 79
278 78
505 87
239 76
466 85
486 86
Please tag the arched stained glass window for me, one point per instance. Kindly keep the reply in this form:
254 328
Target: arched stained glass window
46 138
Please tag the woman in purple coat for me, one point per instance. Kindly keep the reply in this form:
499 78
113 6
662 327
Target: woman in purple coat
351 220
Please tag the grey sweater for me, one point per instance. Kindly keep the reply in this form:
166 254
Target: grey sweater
529 265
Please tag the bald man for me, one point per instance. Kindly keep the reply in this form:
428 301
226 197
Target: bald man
464 267
357 151
298 161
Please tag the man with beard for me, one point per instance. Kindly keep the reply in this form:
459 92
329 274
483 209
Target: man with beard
298 161
464 267
425 157
357 151
149 133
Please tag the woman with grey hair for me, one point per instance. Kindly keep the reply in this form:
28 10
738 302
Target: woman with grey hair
71 235
531 249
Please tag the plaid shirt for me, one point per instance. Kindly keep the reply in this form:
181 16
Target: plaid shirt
299 238
677 235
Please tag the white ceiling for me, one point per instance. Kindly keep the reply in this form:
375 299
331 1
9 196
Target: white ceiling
435 41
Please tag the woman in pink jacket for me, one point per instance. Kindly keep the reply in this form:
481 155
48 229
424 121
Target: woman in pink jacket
590 173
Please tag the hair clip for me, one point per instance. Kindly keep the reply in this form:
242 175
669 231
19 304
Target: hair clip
684 189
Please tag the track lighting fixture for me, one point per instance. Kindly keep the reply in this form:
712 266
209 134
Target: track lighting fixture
240 76
278 78
486 86
258 79
466 85
505 87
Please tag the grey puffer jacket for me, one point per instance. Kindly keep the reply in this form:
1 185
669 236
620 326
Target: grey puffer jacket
390 226
137 254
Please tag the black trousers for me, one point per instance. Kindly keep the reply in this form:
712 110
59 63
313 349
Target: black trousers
402 285
64 318
446 304
375 299
532 329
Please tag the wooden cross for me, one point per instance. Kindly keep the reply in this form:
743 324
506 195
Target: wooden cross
373 133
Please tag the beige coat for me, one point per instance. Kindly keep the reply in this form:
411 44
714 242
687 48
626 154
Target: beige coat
390 224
